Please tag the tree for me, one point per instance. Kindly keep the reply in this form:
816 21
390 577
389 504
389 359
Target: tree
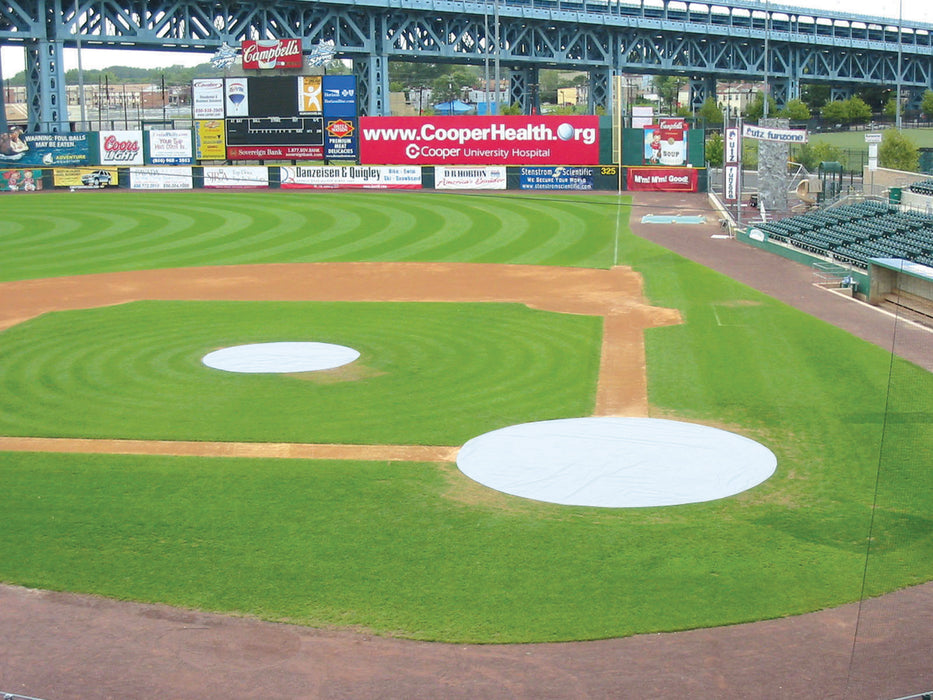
857 110
810 155
709 112
926 104
714 149
668 89
814 96
755 109
796 111
851 111
890 109
898 152
835 112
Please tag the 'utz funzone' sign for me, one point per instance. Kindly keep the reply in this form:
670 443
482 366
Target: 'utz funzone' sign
272 53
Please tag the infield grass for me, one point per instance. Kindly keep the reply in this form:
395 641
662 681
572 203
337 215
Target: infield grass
429 374
420 551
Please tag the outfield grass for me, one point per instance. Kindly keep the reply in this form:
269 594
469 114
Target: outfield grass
418 550
855 140
69 234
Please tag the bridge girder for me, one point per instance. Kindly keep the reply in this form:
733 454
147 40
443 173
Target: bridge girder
659 37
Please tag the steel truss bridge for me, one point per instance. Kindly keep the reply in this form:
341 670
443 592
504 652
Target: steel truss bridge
743 40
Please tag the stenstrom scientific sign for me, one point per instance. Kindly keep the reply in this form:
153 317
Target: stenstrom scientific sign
480 140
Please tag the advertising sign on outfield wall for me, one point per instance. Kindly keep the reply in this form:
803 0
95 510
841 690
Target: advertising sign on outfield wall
121 147
339 96
351 176
662 179
340 139
236 177
170 147
556 178
492 177
28 180
211 140
161 179
271 53
480 140
666 142
18 148
85 178
237 97
207 98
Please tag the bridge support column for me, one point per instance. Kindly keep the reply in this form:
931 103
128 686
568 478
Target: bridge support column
523 90
45 87
4 127
372 84
600 93
914 99
839 93
783 90
701 89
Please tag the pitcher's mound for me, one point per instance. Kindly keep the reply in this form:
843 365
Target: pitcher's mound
280 358
616 462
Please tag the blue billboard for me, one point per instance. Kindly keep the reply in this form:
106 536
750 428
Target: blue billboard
339 96
556 178
18 148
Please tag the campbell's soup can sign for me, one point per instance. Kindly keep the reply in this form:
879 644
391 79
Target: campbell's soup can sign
271 53
480 140
665 142
121 147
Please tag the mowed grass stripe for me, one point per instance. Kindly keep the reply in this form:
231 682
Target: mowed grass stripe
428 374
109 231
410 549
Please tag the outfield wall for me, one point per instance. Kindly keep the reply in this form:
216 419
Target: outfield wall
411 177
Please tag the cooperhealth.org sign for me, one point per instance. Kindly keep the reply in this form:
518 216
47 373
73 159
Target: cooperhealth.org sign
480 140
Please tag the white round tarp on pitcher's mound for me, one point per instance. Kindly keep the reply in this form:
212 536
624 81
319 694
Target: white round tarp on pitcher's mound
616 462
280 358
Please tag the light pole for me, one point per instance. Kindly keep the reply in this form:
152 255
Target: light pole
897 98
764 108
486 52
496 62
80 68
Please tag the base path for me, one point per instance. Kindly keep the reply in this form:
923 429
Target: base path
614 294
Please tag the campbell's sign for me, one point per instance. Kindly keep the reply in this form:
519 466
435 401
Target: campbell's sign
480 140
272 53
121 147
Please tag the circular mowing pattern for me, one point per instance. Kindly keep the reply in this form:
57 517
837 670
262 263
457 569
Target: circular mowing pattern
616 462
280 358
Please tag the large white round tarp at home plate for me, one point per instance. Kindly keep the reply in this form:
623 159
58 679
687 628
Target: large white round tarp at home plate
616 462
282 358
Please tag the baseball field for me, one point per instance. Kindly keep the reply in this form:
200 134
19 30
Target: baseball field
471 313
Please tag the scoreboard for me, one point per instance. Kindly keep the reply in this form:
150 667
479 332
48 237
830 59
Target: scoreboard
281 117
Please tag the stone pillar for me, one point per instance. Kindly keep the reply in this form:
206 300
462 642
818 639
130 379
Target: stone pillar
773 178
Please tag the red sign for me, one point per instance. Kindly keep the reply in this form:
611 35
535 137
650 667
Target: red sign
480 140
273 53
275 152
662 179
340 128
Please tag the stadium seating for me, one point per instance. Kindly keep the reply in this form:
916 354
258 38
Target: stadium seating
858 232
925 188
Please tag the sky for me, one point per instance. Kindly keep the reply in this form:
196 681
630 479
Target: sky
11 57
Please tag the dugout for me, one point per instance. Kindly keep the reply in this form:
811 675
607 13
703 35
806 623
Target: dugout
902 286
